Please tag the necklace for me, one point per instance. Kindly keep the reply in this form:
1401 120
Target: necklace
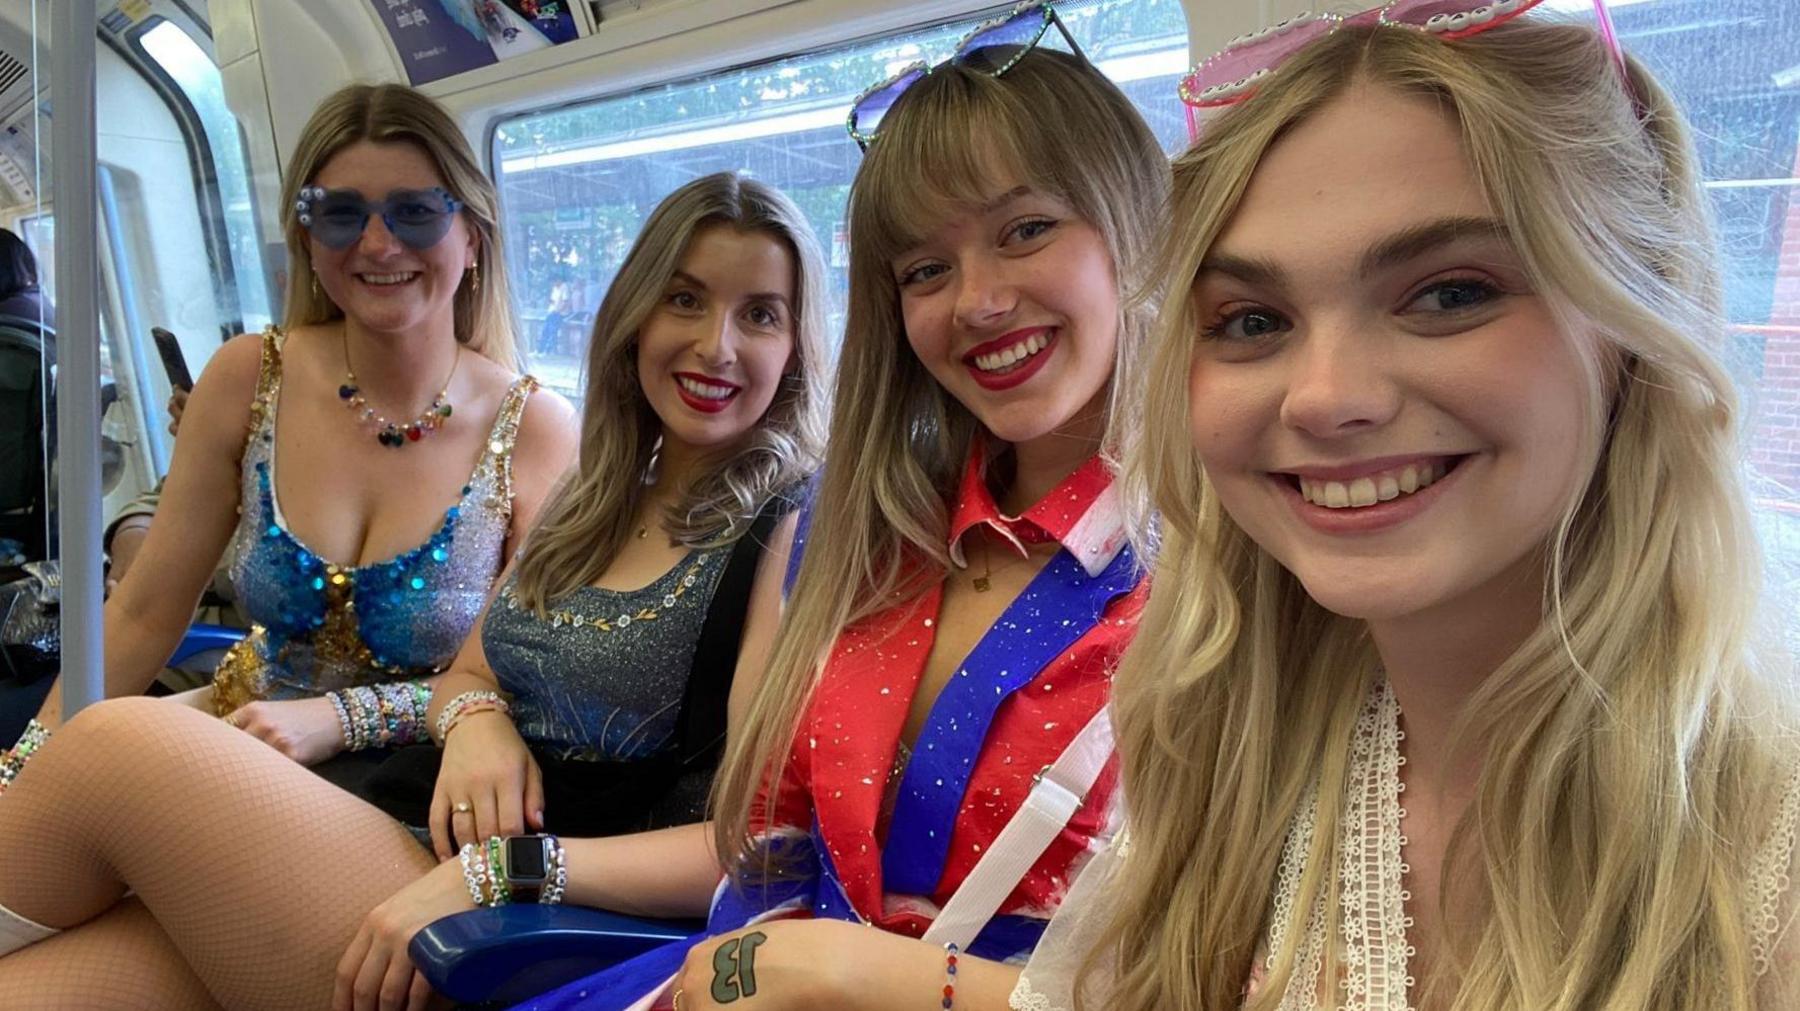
391 433
984 582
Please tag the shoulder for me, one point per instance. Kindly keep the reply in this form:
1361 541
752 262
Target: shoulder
549 432
237 361
222 395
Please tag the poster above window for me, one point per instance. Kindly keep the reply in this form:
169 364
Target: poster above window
439 38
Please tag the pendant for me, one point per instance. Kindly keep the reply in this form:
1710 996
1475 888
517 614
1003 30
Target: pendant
982 584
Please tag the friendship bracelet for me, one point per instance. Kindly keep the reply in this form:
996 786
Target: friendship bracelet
13 760
474 867
381 716
559 876
499 891
466 703
950 950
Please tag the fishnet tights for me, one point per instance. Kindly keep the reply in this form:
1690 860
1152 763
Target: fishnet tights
254 873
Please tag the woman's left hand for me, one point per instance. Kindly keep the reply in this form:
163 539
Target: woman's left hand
791 965
305 730
376 973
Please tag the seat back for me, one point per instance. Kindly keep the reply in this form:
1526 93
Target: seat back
27 412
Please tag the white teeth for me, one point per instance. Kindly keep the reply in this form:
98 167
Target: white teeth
997 360
387 278
706 391
1366 491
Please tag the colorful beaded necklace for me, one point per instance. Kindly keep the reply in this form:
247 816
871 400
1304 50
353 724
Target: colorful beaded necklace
390 433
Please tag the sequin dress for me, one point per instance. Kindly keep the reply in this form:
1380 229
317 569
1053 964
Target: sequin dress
317 626
601 677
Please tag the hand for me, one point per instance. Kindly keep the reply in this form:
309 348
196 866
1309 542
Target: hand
177 405
792 965
305 730
126 541
376 972
487 785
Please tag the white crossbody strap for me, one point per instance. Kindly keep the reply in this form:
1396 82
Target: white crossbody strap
1055 797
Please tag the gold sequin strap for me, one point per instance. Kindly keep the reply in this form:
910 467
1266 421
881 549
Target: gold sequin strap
506 432
268 379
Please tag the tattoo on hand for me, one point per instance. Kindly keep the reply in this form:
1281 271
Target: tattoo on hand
734 967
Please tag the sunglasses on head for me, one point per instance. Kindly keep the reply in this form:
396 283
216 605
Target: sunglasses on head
418 218
993 46
1232 74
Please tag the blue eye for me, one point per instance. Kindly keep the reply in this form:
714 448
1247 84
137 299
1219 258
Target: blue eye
1458 295
1025 231
922 273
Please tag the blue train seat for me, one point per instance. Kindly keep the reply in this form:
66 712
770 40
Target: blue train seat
508 954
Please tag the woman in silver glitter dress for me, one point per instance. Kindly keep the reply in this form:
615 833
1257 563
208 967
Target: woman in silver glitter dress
250 880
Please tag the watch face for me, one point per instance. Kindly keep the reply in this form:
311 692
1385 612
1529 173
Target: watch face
525 858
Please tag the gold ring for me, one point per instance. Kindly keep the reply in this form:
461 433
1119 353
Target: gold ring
463 807
677 1001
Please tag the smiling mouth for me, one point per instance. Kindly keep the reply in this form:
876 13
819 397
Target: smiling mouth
1011 357
1372 489
387 280
706 389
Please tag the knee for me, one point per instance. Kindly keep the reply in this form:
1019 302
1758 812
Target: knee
130 730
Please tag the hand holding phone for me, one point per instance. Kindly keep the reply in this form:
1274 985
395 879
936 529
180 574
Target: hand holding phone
168 348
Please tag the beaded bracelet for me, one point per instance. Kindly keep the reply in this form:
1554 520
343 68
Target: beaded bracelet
950 950
13 760
381 716
474 867
499 891
466 703
559 876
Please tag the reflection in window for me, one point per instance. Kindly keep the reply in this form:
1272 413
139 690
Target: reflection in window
576 183
190 68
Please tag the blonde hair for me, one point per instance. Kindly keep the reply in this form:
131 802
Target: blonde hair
389 114
1632 750
590 517
880 524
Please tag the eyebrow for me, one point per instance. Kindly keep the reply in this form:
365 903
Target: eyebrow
683 277
994 203
1401 247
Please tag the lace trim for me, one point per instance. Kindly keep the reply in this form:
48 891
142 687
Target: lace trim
1770 878
1026 998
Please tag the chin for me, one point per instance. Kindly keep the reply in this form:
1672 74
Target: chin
1368 597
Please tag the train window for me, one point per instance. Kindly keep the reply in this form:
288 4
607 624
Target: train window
1734 65
194 72
576 182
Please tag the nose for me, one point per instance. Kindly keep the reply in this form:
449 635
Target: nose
716 344
1339 383
984 295
376 241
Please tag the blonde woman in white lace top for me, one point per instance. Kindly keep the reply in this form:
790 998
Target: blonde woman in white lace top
1448 694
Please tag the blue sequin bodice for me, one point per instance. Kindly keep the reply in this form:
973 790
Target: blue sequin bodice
319 626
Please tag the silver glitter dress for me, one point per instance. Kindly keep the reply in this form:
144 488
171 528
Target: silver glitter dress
602 675
319 626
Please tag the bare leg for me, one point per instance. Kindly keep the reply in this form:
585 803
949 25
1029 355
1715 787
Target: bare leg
119 960
258 871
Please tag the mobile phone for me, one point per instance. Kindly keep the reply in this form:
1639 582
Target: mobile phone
168 348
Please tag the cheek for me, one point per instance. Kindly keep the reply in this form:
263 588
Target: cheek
1227 413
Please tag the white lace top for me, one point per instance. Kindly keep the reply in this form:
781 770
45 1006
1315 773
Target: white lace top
1371 932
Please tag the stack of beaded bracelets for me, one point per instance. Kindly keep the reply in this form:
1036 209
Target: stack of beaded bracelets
12 761
484 871
381 716
466 703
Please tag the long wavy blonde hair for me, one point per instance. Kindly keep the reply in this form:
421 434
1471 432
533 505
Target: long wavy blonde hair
881 516
394 113
1631 748
591 515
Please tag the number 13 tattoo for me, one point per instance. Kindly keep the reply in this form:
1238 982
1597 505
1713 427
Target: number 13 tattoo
734 967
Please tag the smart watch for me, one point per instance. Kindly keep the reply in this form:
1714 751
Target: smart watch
528 865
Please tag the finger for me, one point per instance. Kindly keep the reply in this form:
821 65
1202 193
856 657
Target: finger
396 986
462 824
366 991
420 994
341 987
487 814
439 821
510 808
534 795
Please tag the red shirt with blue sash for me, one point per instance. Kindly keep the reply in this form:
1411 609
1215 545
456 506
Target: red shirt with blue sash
1035 679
